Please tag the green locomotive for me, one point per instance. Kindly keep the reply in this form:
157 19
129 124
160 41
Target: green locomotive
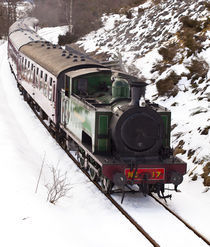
121 139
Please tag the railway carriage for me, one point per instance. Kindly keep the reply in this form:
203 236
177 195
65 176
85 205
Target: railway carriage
96 110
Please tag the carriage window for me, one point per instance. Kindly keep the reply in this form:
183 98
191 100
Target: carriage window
22 63
50 90
45 86
53 92
37 71
32 66
83 86
67 86
41 74
28 64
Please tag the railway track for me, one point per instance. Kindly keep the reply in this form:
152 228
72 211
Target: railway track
182 220
116 204
133 221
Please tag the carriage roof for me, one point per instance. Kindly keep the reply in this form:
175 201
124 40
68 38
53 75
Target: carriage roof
55 59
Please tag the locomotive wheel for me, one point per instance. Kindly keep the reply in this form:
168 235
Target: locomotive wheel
106 185
93 175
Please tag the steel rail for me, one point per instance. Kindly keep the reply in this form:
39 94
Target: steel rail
182 220
117 205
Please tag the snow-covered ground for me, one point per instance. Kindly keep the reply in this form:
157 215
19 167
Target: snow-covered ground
85 217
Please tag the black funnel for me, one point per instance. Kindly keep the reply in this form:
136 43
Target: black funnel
138 89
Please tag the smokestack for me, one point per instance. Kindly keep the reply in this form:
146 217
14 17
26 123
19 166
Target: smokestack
138 89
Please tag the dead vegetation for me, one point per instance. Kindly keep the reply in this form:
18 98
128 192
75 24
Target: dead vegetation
167 86
156 1
168 53
205 131
198 69
192 34
59 187
179 148
8 15
190 153
207 5
86 15
206 174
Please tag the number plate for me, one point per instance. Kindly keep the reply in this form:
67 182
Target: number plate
146 173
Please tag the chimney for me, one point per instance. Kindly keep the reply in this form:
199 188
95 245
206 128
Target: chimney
138 89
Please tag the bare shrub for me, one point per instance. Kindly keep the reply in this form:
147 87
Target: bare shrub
205 131
59 187
8 15
188 22
205 174
169 52
156 1
86 15
67 38
167 86
187 34
207 5
198 68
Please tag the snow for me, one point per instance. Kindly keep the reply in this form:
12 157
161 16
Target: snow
160 224
51 33
138 40
86 217
144 64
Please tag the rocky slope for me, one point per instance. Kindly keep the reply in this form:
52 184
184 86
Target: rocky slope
167 43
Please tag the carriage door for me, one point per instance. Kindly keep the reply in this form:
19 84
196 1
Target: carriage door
64 108
65 94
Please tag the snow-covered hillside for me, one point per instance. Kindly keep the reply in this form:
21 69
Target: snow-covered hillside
168 45
85 217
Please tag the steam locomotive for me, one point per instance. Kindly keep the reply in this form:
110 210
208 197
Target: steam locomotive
121 139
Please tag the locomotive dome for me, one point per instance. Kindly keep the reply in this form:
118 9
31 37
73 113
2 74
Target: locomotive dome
120 88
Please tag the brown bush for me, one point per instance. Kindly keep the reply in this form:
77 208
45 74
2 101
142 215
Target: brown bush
67 38
205 174
190 23
198 68
169 52
205 131
167 86
156 1
187 34
207 5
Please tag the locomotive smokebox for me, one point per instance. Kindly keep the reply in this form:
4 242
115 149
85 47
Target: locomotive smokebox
138 89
